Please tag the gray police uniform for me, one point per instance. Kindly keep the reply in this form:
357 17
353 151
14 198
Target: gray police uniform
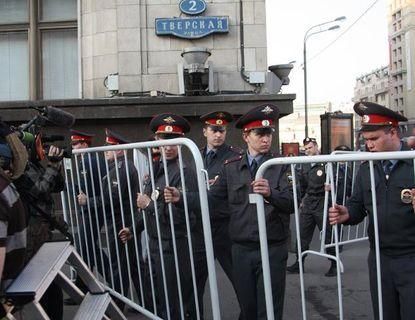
233 187
396 220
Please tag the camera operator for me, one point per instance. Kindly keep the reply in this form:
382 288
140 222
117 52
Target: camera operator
40 180
13 157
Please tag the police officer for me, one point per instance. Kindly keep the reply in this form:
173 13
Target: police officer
214 154
236 181
116 204
312 178
151 203
90 183
395 210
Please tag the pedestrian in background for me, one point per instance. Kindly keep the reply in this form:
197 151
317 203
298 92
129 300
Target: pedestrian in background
312 178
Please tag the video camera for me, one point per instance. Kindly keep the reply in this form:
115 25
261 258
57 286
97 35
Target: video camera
31 134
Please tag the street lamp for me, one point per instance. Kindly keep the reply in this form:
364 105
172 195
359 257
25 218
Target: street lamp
307 35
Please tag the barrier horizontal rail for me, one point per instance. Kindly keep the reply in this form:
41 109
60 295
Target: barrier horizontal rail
79 217
329 159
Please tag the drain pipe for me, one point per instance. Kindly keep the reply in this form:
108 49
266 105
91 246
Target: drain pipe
244 76
80 68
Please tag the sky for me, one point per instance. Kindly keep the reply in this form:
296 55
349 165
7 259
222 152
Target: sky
332 73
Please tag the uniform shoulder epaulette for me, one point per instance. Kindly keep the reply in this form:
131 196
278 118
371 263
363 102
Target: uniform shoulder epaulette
238 158
237 150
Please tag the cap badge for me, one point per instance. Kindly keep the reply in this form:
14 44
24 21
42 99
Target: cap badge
365 119
267 110
362 107
265 123
168 128
406 196
169 120
220 115
219 121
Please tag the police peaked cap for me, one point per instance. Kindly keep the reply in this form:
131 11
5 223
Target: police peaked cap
308 140
375 116
259 117
169 123
114 138
81 136
217 118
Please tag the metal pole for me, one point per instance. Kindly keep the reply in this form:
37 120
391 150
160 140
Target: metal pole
305 87
306 36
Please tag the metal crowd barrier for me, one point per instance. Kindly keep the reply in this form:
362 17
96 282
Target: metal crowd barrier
128 270
342 191
331 162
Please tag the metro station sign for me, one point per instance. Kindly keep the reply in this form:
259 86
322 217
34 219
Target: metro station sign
192 27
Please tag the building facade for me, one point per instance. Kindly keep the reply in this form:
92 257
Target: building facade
374 87
121 61
401 20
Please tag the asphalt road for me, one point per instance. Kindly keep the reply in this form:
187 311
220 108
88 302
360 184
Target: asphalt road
321 292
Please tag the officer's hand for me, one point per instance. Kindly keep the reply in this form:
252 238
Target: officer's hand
125 235
82 199
261 186
142 201
55 156
413 198
212 181
171 195
338 214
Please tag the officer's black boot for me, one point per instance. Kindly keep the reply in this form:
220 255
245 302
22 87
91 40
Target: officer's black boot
333 270
295 267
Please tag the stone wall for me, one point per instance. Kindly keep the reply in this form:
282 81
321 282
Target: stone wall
118 36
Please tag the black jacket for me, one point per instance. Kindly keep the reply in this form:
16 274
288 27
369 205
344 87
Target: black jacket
396 219
179 218
115 192
214 169
233 187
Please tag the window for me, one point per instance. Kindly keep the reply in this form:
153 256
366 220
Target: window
39 49
14 64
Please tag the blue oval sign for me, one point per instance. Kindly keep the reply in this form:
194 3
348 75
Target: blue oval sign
192 7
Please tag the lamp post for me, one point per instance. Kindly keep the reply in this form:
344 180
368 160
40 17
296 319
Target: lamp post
307 35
